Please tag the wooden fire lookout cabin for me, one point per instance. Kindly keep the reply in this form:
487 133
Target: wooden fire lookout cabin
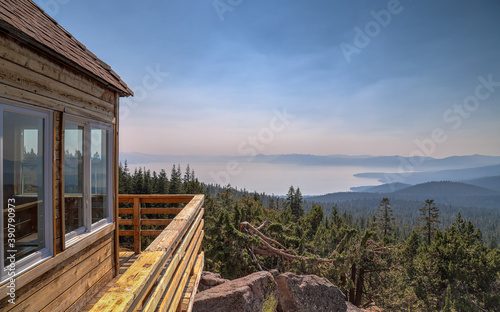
62 216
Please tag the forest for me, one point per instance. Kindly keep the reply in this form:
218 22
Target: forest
378 257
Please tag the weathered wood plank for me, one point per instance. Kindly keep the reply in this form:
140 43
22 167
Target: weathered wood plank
83 284
159 290
172 266
26 79
126 210
173 295
130 285
126 222
137 225
178 272
21 95
157 198
163 222
161 210
198 269
151 232
131 288
91 293
24 56
126 233
180 224
116 181
52 291
44 273
60 167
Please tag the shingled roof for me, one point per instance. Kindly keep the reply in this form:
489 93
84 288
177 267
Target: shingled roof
28 23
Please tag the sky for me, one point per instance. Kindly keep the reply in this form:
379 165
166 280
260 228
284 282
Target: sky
357 77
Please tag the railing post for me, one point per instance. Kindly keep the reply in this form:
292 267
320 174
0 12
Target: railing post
137 225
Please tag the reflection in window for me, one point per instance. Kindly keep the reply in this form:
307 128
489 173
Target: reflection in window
73 177
99 174
87 174
23 183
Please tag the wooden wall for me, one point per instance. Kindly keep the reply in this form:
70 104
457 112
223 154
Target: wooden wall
29 77
69 280
72 276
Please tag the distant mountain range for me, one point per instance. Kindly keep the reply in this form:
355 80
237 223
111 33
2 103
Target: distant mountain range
426 176
384 188
444 192
396 162
395 172
492 183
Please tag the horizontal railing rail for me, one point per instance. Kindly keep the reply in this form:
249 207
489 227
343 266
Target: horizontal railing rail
166 274
137 211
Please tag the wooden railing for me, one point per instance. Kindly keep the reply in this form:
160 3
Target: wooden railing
165 276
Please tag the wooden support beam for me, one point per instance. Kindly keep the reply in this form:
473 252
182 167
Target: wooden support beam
116 184
137 225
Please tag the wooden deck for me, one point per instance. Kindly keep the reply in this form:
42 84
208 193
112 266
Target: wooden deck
165 276
127 258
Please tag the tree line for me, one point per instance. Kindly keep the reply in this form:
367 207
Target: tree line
374 263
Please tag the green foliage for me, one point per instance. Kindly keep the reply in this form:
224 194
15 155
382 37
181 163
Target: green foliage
384 219
429 214
382 263
457 260
295 202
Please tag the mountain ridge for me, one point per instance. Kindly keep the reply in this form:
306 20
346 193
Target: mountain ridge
445 192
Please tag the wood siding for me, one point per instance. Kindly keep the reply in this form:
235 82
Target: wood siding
79 271
69 279
29 77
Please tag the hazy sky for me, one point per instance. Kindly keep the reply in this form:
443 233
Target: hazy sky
238 77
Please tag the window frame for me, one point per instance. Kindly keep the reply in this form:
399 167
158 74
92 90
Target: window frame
39 256
89 228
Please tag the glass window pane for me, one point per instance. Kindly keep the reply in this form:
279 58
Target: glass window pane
73 177
99 174
23 184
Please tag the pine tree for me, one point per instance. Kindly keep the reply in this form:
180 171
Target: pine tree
272 204
122 178
162 184
187 175
126 179
148 181
299 204
385 218
315 217
138 182
290 196
175 185
429 215
294 200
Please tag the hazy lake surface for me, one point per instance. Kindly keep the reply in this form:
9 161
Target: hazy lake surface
276 178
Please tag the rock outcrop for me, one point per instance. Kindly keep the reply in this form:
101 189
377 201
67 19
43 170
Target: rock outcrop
352 308
209 280
308 293
268 292
255 292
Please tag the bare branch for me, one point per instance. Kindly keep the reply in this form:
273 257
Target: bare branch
274 251
264 224
246 225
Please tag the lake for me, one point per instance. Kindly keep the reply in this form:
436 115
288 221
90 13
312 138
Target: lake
275 178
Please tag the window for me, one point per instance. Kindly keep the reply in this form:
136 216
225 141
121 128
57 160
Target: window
88 175
25 186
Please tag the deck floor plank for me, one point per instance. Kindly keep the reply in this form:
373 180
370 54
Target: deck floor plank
126 260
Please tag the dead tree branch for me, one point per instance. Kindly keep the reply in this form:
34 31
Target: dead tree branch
270 250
